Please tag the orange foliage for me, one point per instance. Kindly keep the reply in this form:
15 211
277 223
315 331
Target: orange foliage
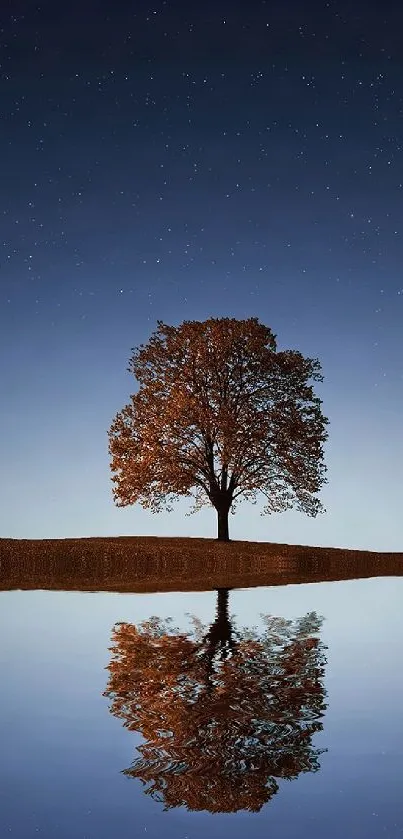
224 715
219 413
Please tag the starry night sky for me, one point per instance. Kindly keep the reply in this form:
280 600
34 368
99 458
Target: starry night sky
180 161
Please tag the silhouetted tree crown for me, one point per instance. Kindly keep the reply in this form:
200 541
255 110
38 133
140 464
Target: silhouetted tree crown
219 414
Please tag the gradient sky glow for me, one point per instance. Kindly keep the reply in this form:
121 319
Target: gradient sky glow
183 161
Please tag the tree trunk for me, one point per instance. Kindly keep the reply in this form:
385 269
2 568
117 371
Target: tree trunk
223 531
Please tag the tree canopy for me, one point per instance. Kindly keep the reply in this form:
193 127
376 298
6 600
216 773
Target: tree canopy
224 714
220 413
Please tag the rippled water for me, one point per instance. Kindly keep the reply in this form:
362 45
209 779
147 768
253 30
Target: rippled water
272 711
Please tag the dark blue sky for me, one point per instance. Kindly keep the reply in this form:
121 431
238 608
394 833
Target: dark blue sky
179 160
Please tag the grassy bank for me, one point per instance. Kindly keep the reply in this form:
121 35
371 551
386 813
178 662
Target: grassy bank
151 563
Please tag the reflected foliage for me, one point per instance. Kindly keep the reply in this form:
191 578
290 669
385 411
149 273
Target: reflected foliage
224 714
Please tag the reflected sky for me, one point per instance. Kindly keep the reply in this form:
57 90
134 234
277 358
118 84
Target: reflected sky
62 752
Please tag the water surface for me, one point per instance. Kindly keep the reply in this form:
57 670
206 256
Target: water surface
282 713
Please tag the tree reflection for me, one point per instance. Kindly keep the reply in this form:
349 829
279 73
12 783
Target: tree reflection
224 714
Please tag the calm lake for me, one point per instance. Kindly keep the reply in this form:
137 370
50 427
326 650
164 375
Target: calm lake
273 711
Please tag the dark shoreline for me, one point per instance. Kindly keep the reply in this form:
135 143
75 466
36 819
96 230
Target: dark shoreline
152 564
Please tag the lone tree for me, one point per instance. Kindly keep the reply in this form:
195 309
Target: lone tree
219 413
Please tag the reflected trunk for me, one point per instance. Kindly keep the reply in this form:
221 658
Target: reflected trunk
222 615
220 641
